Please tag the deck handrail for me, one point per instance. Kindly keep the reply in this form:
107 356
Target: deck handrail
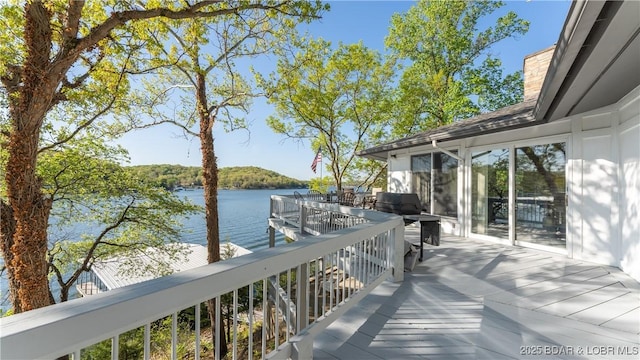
317 217
372 252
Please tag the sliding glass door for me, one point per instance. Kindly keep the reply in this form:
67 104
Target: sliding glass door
528 180
490 193
540 194
434 177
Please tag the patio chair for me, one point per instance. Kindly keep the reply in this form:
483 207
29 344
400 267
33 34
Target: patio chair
346 198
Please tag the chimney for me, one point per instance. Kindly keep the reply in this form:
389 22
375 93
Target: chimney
535 70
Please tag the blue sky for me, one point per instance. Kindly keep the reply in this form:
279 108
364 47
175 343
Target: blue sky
349 22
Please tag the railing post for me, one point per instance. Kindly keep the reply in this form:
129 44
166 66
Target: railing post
272 237
271 206
397 241
301 297
302 347
303 218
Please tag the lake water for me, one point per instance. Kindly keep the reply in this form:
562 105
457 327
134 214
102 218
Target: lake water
242 216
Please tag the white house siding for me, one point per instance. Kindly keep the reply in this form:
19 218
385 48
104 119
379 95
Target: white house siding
399 175
594 192
603 187
629 140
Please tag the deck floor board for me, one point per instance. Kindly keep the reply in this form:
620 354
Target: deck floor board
476 300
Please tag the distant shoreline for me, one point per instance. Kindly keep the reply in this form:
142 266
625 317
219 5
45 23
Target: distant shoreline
172 177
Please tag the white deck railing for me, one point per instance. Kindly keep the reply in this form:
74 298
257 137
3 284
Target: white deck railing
286 294
298 217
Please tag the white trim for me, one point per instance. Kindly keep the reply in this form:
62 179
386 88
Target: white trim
616 225
531 245
626 126
511 190
462 183
574 220
467 199
434 143
432 150
493 239
628 100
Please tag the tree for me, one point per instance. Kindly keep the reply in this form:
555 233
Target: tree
320 184
60 59
100 210
122 216
337 99
197 64
445 79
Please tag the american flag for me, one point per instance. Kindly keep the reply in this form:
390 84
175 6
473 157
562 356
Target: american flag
317 159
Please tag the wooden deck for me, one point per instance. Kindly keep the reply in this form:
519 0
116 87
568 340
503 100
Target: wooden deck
477 300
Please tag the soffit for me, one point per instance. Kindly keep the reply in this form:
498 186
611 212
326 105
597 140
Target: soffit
596 62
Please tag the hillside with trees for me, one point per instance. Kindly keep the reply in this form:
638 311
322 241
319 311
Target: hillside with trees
240 177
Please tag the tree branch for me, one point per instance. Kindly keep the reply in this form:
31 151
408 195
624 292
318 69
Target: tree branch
72 23
90 121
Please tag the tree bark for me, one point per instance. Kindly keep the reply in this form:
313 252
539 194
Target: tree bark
210 185
26 243
7 231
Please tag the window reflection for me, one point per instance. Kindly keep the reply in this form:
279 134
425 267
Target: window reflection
490 192
540 189
442 169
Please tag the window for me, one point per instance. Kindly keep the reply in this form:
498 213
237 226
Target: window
421 179
540 194
490 193
437 171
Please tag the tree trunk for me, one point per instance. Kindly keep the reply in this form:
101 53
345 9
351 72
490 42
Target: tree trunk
7 230
24 240
25 245
210 184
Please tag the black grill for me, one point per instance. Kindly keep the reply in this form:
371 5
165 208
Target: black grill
398 203
408 205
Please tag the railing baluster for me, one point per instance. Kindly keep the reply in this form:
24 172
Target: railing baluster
376 242
331 282
304 276
197 330
265 304
174 336
235 324
351 270
250 316
218 331
115 348
367 260
339 276
147 341
276 302
324 281
315 294
287 314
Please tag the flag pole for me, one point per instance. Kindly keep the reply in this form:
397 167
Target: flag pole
321 178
